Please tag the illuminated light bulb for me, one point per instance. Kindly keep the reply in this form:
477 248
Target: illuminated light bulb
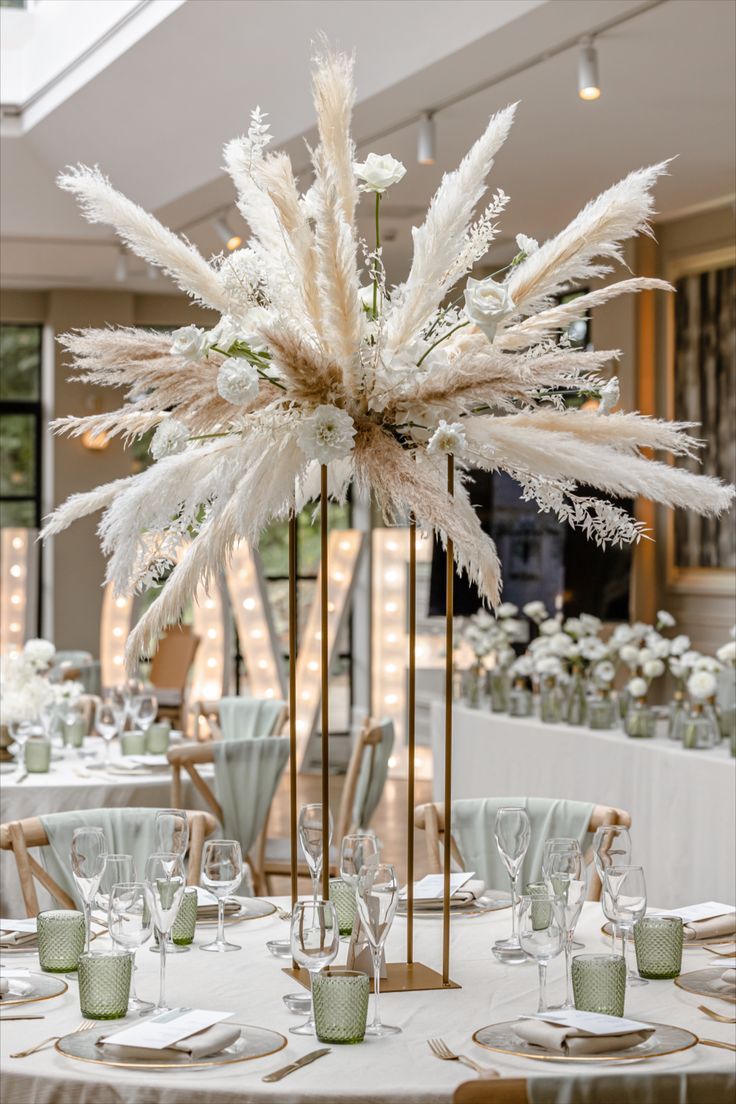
344 545
301 726
268 693
330 607
318 635
392 761
262 664
14 627
118 660
121 603
391 699
391 638
589 85
338 576
212 662
391 607
16 571
391 668
392 546
117 631
212 634
209 603
306 696
392 576
313 665
243 573
15 599
256 634
249 603
17 543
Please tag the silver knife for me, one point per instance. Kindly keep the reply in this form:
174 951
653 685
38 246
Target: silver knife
305 1061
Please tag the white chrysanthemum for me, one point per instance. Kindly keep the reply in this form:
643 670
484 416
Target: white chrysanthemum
629 655
522 667
548 665
604 672
326 434
237 381
708 663
447 439
550 626
622 634
690 658
507 609
665 620
527 245
378 172
701 685
189 343
637 687
727 652
653 668
592 649
591 625
535 611
679 644
39 653
170 437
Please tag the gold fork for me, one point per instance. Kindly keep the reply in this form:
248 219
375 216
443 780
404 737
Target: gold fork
721 954
283 914
716 1015
441 1050
85 1025
717 1043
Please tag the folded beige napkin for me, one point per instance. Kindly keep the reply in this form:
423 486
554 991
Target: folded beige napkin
461 898
209 912
201 1045
16 938
4 987
726 983
574 1041
712 928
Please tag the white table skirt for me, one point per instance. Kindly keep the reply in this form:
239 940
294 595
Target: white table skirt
63 788
250 983
682 803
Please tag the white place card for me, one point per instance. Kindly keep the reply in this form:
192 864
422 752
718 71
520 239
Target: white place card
431 887
593 1023
204 897
167 1028
706 910
26 924
149 760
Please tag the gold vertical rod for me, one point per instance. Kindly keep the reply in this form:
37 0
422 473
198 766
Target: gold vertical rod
450 578
292 710
325 655
411 730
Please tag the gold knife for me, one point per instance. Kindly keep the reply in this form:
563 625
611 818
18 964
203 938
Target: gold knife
305 1061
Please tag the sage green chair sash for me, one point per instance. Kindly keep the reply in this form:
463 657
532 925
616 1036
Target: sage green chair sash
128 832
372 776
473 821
248 718
247 773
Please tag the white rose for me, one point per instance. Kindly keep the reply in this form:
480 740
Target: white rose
701 685
665 620
637 687
727 652
653 668
507 609
379 172
527 245
190 343
486 303
326 434
170 437
448 439
237 381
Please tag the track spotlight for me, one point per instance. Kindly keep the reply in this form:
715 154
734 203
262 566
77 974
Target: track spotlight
426 140
229 240
588 83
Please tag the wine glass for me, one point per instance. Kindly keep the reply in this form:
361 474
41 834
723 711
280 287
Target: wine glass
540 937
513 832
106 723
164 888
356 851
311 838
566 879
551 846
222 872
143 710
20 732
315 938
611 847
377 895
118 868
88 856
129 924
627 893
117 698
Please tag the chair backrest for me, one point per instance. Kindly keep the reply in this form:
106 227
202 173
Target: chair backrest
20 835
365 776
174 657
550 817
496 1090
247 773
243 718
86 704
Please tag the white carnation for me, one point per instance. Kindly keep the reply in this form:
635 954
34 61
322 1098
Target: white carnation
727 652
39 653
486 304
559 643
224 334
590 623
189 343
326 434
527 245
690 658
535 611
448 439
507 609
622 634
665 620
548 665
170 437
378 172
637 687
573 626
237 381
591 648
629 655
604 672
653 668
708 663
701 685
610 395
679 644
550 626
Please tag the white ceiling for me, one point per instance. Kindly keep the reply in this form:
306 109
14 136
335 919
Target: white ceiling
157 116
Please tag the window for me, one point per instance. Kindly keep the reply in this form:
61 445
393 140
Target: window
20 426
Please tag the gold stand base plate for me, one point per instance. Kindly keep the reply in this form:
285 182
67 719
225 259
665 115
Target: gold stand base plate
402 978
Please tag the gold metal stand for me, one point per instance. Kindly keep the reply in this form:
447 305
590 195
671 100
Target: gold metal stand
325 660
448 738
292 710
411 733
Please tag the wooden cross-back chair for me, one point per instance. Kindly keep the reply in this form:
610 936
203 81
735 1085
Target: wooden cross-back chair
170 668
206 716
492 1090
430 819
19 836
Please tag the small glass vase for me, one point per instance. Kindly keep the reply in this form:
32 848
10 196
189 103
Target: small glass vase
550 702
676 714
576 703
521 699
602 713
472 685
498 689
37 755
640 720
727 723
699 730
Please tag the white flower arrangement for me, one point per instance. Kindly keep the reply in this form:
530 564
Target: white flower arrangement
637 687
701 685
24 689
536 611
604 673
727 653
326 434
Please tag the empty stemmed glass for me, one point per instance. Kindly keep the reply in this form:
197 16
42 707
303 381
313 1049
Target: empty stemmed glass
626 893
356 851
143 710
513 832
540 936
315 938
20 732
129 924
164 888
118 868
222 872
566 879
377 895
551 847
88 856
172 836
611 847
117 698
311 838
107 725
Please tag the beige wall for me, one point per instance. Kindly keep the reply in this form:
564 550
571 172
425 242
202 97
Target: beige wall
75 568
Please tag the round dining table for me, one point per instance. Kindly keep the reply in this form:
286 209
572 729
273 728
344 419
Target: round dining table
251 983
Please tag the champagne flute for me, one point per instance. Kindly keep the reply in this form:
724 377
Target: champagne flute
627 890
172 837
377 896
552 846
143 710
315 938
88 856
129 924
540 937
118 868
106 723
222 872
566 878
164 888
513 833
311 838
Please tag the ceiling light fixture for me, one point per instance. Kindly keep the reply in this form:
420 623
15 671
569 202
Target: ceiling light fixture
426 153
588 83
229 240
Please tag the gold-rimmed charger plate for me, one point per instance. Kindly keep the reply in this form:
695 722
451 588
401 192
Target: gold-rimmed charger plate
491 901
251 908
254 1042
502 1038
703 982
688 945
42 987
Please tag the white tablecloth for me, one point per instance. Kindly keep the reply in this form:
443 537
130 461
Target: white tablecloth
250 983
682 803
68 785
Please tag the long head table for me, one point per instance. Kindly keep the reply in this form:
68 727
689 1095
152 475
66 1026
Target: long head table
682 802
401 1068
